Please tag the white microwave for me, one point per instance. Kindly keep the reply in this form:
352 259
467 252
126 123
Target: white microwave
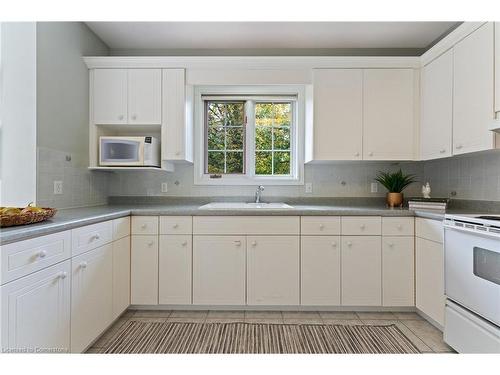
129 151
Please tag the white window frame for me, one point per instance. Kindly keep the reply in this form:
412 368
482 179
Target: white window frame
259 93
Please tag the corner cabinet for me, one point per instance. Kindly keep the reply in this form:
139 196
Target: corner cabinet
363 114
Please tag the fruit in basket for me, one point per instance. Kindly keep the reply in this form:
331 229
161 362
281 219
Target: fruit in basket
31 208
10 211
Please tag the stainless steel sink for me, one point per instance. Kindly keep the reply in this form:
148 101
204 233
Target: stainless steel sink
245 206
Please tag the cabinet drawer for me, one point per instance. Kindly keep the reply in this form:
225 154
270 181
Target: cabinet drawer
90 237
361 225
144 225
320 225
217 225
121 228
429 229
22 258
176 225
398 226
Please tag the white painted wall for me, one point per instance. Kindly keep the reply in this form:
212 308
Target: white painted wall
17 113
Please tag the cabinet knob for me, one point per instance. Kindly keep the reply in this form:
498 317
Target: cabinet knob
134 117
83 265
356 154
458 147
41 254
254 243
442 151
370 153
143 226
150 243
349 244
391 244
184 243
400 226
237 243
62 275
177 153
95 237
175 226
120 117
362 227
321 226
334 244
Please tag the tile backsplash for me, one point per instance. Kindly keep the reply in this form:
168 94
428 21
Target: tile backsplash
81 187
348 179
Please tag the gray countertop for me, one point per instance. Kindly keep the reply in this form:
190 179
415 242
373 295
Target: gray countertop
72 218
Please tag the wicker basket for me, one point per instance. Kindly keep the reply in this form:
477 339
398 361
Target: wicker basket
26 218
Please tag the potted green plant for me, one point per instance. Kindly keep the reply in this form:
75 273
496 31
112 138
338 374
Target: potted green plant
395 183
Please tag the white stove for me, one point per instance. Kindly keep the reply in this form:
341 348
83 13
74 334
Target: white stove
472 282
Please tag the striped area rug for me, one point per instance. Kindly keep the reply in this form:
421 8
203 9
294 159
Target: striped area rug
255 338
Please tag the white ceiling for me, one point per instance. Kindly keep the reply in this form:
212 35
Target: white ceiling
269 35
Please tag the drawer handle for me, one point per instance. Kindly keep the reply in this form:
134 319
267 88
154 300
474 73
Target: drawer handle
41 254
175 226
83 265
144 226
349 244
184 243
237 243
62 275
321 226
334 244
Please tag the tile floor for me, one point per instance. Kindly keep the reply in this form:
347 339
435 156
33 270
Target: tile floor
424 336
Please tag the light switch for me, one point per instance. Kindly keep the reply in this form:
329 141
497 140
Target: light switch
164 187
374 187
309 187
58 187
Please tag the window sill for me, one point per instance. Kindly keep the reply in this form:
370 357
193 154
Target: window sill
241 180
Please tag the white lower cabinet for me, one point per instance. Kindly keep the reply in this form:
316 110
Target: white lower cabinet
361 271
121 275
273 270
91 296
175 269
320 270
35 313
398 271
429 267
219 270
144 270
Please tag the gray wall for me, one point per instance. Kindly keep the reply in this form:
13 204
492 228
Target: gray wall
62 115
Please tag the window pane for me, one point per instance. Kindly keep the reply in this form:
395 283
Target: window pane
215 162
282 114
234 138
234 162
281 163
263 138
234 114
215 113
264 114
215 140
263 163
282 138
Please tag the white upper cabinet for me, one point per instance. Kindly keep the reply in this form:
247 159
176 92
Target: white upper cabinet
127 96
497 66
177 117
437 108
110 96
144 96
388 114
473 91
338 114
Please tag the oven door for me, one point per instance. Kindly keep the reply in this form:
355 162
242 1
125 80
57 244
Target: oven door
121 152
472 271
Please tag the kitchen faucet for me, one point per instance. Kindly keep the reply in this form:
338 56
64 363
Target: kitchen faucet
258 193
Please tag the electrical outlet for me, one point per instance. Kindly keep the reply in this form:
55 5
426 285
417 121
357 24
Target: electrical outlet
58 187
164 187
374 187
309 187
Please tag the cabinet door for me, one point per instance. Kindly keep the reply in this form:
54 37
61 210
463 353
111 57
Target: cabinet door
338 114
91 296
175 269
35 310
429 259
397 271
121 275
497 66
273 270
388 114
361 271
219 270
437 107
110 96
175 132
144 96
320 270
144 270
473 91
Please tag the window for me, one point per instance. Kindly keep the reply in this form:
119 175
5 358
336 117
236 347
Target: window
247 139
